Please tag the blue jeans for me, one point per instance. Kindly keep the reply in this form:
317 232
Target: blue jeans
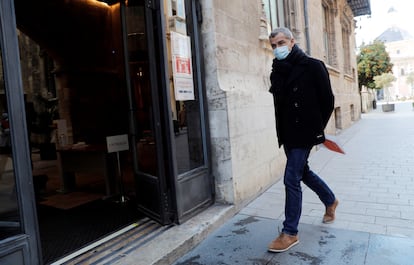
297 169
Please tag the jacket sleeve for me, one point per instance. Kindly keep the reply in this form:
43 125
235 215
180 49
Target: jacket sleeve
325 94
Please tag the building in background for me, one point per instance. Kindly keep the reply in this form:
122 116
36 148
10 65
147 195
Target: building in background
398 43
402 58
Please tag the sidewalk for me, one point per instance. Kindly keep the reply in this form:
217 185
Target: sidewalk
374 183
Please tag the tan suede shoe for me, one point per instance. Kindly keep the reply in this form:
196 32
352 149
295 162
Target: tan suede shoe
283 242
329 216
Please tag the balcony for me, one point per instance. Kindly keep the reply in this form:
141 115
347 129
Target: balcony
360 7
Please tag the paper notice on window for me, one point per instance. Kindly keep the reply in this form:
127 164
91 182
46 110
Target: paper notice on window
182 66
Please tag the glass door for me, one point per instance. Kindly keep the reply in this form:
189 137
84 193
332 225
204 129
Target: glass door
144 57
193 181
186 102
164 61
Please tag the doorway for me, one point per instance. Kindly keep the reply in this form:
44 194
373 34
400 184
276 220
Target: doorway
76 96
93 71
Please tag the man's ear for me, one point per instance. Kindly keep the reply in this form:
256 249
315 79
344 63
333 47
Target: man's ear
291 43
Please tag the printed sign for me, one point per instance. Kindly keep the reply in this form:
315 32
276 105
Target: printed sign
117 143
182 66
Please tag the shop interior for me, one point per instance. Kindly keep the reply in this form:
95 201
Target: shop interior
73 74
80 190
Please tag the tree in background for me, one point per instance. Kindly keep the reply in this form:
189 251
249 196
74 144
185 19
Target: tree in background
384 81
373 60
410 81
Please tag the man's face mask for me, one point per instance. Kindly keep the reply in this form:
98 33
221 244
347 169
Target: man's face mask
281 52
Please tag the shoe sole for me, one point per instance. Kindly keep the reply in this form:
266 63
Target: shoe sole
283 250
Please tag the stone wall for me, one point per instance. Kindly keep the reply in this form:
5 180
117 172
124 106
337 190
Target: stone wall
245 155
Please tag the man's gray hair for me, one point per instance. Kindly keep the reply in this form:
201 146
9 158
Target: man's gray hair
284 31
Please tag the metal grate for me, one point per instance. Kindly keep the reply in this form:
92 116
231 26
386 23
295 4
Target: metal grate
116 248
63 232
360 7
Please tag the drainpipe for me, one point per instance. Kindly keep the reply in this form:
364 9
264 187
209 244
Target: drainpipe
306 16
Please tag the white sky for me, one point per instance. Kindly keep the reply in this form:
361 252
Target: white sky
370 27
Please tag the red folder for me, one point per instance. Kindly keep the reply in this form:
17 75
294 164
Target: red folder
333 146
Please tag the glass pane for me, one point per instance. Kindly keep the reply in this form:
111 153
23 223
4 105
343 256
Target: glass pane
141 88
9 210
185 102
266 7
281 13
273 14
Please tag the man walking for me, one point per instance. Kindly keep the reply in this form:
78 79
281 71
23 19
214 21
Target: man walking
303 102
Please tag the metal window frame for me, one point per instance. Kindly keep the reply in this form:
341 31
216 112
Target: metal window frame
28 242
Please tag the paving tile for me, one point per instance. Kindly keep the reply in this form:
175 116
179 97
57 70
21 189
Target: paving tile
367 227
382 213
395 222
400 231
385 250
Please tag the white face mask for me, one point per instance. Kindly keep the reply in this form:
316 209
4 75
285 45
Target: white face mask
281 52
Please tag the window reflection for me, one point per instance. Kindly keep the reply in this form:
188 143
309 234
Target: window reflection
9 212
188 136
141 87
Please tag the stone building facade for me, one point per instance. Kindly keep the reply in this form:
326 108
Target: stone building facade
398 43
246 157
402 58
